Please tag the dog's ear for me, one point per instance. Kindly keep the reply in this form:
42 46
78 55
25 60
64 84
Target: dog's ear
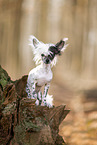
34 41
61 45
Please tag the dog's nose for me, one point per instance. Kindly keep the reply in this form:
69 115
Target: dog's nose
47 61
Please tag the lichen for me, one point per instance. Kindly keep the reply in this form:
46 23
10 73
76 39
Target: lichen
9 109
29 126
4 78
19 133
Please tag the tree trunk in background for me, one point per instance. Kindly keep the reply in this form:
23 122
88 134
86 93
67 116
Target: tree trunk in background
24 123
10 14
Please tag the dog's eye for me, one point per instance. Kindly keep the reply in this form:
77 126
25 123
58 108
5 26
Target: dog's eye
42 55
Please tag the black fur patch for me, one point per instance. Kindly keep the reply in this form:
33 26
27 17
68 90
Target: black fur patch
54 50
51 56
60 44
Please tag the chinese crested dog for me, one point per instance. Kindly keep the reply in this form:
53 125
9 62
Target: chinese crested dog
45 56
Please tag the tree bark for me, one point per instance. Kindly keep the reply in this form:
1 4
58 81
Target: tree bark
21 121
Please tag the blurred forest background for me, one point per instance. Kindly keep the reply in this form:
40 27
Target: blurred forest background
75 75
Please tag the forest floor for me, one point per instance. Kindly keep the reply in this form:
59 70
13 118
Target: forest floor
80 125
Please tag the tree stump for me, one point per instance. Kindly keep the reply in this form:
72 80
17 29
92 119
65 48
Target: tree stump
21 121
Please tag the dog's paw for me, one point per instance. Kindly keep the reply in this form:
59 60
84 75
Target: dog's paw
48 101
37 102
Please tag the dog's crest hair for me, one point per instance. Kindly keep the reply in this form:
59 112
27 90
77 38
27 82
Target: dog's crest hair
39 48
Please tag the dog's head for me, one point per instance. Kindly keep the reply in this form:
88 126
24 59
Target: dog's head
47 52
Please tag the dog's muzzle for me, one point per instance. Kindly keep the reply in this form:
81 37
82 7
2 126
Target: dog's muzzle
47 61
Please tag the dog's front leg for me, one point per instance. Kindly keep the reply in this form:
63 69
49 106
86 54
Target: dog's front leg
34 94
45 93
39 98
30 89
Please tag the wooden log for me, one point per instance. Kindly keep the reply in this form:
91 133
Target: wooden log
24 123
